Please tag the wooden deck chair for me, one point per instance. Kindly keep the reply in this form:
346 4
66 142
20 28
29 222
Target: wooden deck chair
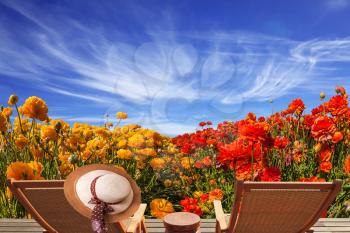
276 207
46 203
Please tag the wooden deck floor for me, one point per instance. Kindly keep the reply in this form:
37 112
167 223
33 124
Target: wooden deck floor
324 225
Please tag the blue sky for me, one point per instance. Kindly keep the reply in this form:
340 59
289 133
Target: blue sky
171 64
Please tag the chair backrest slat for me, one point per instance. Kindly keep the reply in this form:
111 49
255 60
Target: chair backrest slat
46 202
274 207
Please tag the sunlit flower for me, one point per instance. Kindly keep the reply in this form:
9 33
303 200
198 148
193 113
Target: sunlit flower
216 194
121 115
325 154
296 107
13 99
271 174
157 163
186 162
337 137
161 207
48 133
3 123
20 171
256 132
137 141
21 141
337 105
326 166
150 152
34 107
280 142
124 154
323 129
7 112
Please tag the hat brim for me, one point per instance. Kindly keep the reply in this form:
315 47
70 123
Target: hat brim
73 199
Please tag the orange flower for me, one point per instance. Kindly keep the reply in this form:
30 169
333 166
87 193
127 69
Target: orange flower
325 155
121 115
3 123
34 107
12 100
323 129
36 152
337 137
337 105
216 194
157 163
161 207
256 132
7 112
48 133
347 164
21 141
20 171
296 107
326 166
124 154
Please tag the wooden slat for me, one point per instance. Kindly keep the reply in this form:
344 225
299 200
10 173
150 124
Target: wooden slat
324 225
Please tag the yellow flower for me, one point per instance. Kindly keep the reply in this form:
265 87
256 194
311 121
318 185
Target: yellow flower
124 154
147 152
21 141
34 107
161 207
3 123
157 163
137 141
121 115
7 112
13 100
197 194
186 162
48 133
20 171
122 143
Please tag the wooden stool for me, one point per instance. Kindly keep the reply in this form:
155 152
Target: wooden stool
181 222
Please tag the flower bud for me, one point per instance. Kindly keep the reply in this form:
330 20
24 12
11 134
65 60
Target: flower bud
322 95
13 100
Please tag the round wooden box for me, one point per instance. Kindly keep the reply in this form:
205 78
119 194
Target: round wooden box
181 222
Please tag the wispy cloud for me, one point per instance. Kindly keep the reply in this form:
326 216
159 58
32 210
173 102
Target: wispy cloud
336 4
150 73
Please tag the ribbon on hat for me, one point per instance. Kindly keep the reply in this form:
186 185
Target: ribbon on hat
100 209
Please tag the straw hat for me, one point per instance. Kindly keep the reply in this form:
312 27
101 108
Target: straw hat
111 185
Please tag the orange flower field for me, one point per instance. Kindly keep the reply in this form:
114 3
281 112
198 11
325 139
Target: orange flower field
189 171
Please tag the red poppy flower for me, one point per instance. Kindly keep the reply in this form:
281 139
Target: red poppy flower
337 105
256 132
202 124
326 166
323 129
337 137
325 155
280 142
318 110
271 174
296 107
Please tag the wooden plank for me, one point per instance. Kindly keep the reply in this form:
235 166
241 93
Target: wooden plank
156 226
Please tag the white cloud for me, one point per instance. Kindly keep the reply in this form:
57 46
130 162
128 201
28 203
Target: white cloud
227 69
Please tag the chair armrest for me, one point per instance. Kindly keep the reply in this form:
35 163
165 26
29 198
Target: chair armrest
219 215
136 219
